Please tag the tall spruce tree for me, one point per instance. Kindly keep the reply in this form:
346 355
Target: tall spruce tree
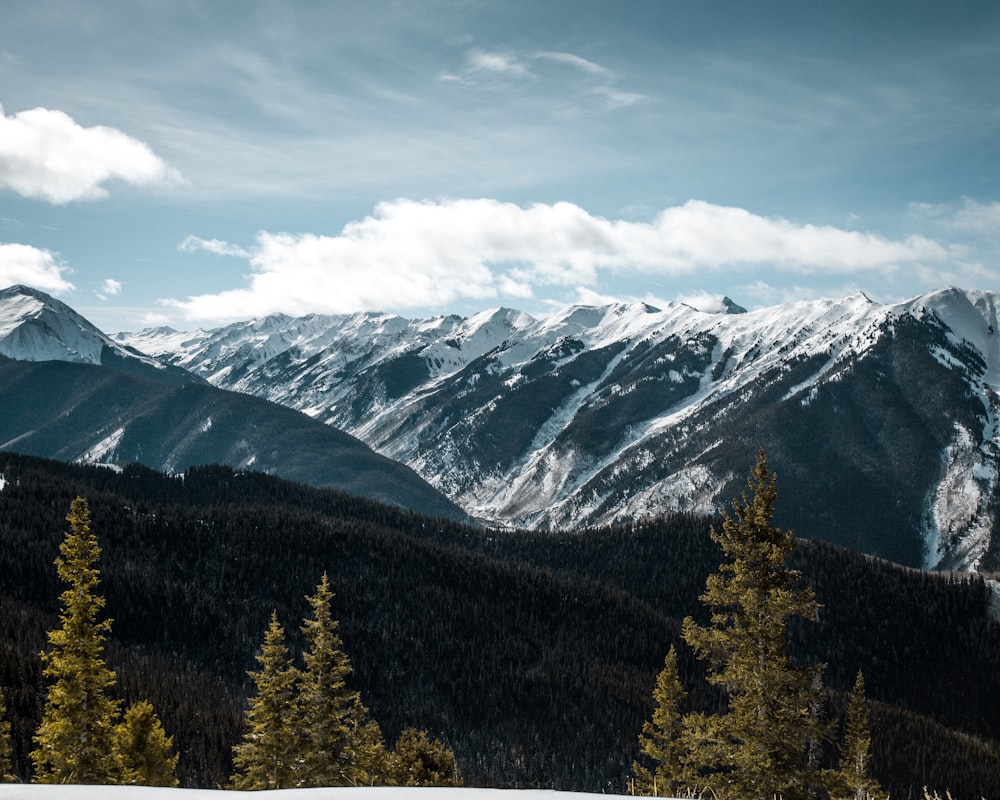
340 746
855 752
75 741
144 749
267 756
760 746
660 741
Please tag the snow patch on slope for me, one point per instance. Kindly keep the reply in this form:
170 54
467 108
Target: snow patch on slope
958 522
694 489
103 448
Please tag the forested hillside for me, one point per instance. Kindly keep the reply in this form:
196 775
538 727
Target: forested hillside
532 655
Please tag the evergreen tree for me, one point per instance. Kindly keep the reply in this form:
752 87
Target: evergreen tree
855 753
144 748
760 746
75 741
419 760
660 741
266 758
369 747
337 745
6 766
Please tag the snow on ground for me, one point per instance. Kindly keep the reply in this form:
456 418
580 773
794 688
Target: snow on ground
38 792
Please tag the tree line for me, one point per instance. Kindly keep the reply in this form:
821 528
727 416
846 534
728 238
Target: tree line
530 655
304 728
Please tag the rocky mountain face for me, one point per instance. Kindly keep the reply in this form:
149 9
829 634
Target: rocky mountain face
880 420
70 393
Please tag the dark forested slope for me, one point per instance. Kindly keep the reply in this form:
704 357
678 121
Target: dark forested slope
532 655
101 414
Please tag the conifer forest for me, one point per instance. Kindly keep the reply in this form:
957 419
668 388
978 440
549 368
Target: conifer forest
249 632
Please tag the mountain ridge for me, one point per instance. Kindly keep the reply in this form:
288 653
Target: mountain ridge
67 391
593 415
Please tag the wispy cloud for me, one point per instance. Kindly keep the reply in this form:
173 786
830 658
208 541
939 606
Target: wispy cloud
46 154
578 62
616 98
22 263
599 80
588 77
971 217
411 254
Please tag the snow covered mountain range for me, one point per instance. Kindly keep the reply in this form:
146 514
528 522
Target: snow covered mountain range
70 393
880 420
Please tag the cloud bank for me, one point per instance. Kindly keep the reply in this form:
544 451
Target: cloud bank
46 155
411 254
22 263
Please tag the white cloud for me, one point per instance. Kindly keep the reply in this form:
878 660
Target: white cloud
588 297
704 301
109 288
760 294
496 63
22 263
45 154
192 244
411 254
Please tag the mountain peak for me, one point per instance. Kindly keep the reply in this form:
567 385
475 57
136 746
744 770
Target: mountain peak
21 289
34 326
732 307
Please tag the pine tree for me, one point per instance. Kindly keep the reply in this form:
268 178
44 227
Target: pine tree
419 760
266 758
6 765
75 741
370 754
660 741
144 748
855 753
336 742
760 746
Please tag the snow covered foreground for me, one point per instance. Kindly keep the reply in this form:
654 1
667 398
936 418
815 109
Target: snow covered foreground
39 792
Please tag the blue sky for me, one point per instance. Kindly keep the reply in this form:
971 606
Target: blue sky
192 163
